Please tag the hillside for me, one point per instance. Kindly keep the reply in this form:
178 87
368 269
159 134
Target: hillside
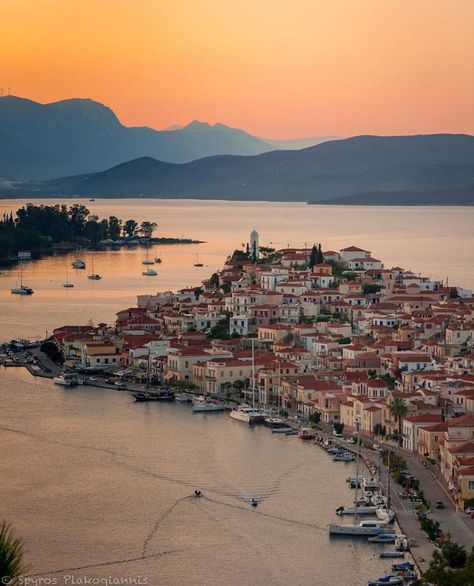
38 141
432 168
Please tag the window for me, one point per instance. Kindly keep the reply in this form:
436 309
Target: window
470 485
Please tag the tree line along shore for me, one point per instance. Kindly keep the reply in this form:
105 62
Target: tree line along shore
46 229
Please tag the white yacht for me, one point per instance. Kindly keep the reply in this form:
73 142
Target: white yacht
364 528
244 412
247 414
360 510
66 380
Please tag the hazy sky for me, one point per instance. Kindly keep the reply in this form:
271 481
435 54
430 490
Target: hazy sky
278 68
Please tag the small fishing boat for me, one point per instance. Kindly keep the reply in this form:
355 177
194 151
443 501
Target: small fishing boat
384 538
389 580
158 260
281 430
403 567
391 554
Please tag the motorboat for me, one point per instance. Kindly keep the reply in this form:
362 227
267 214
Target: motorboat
204 405
362 529
247 414
385 514
389 580
158 260
383 538
391 554
282 430
66 380
149 273
78 264
184 397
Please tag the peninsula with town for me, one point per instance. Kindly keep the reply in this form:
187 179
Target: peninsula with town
330 345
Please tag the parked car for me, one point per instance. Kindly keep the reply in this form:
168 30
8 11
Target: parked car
120 384
439 505
469 511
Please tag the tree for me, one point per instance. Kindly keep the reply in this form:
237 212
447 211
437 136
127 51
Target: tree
130 228
214 280
11 555
320 256
147 228
455 555
399 409
115 227
315 417
338 427
313 257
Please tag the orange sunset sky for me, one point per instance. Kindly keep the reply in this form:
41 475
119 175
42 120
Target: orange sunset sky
277 68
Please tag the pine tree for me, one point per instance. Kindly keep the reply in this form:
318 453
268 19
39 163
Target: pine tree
320 254
313 258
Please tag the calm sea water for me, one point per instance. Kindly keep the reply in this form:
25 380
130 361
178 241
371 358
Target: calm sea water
99 486
437 241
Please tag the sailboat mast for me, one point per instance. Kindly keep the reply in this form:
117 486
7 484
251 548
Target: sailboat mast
388 480
253 373
357 468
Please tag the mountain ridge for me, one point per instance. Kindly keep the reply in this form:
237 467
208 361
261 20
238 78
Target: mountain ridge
429 168
80 135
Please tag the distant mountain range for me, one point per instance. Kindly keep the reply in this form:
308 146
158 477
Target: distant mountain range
424 170
39 141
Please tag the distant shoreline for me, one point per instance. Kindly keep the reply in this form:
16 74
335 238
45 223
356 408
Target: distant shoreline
368 203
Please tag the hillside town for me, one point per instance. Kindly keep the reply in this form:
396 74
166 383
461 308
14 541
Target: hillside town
335 336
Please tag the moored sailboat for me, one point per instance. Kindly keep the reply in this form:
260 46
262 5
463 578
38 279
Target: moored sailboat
20 288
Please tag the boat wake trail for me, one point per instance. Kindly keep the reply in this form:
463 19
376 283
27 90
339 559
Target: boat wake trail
102 564
160 521
267 515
